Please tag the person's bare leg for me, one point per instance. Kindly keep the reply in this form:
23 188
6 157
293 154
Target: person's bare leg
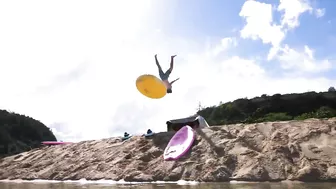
157 63
171 63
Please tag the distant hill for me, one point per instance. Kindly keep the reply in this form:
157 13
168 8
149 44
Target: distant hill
273 108
20 133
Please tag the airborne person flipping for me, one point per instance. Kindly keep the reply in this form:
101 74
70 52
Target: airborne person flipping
165 75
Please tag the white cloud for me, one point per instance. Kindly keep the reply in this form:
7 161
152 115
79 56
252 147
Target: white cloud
319 13
237 67
292 10
225 44
73 65
259 23
303 61
65 132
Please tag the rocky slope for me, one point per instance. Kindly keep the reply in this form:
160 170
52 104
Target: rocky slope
294 150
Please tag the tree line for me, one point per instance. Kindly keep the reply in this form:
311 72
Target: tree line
297 106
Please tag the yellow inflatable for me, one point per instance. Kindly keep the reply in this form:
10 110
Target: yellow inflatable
151 86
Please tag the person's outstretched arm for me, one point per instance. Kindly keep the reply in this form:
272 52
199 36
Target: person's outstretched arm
174 81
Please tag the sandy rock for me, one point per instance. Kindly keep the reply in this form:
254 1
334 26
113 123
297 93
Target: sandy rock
273 151
331 172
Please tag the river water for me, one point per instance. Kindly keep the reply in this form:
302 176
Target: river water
51 185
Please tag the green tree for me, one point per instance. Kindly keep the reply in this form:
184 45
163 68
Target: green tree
331 89
20 133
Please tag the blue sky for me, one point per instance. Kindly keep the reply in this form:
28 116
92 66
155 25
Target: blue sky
211 20
72 64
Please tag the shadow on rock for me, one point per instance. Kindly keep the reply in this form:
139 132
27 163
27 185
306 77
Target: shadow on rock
161 140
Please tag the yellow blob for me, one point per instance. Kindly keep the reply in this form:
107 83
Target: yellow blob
151 86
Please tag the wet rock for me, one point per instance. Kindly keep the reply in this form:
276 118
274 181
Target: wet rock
176 174
221 174
253 172
308 173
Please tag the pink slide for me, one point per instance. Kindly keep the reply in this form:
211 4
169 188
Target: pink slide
180 143
55 142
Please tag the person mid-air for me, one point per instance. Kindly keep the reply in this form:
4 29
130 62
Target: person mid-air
165 75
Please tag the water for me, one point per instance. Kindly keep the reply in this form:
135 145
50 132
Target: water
51 185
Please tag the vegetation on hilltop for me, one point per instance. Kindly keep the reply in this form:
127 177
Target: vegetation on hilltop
273 108
20 133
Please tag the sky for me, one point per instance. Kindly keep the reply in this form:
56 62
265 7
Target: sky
72 64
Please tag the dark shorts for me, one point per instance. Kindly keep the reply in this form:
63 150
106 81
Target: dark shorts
164 76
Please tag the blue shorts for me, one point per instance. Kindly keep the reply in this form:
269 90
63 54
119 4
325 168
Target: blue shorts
164 76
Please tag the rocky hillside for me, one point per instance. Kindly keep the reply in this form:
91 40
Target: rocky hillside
19 133
273 151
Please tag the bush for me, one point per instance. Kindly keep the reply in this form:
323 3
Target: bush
325 112
282 116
